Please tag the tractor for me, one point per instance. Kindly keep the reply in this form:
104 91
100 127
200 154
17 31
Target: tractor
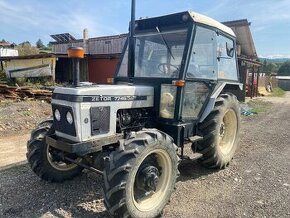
176 85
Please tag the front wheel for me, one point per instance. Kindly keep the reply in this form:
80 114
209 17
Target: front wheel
44 160
140 176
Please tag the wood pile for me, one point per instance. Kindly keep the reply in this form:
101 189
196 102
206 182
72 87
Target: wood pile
24 93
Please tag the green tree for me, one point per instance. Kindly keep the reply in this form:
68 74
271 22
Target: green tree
264 67
284 70
269 68
49 45
25 48
39 44
25 43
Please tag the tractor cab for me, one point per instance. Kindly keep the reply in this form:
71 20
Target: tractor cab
185 56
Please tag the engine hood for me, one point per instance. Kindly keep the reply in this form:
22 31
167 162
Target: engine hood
102 93
94 104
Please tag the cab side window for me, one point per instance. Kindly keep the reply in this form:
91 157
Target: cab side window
226 58
202 62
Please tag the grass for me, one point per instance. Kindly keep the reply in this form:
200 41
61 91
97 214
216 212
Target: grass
259 106
260 109
27 113
277 92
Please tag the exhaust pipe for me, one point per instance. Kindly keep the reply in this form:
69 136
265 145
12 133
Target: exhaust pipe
76 53
131 51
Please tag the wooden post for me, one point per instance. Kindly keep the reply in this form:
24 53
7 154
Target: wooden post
258 75
243 78
252 83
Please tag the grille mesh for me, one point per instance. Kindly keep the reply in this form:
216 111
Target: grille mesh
100 120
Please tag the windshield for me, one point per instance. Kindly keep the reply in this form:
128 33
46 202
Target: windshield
157 54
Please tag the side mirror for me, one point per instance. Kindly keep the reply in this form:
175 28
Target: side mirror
226 52
230 50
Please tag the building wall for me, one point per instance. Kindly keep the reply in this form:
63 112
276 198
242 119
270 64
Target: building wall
264 81
95 46
62 48
284 84
64 70
102 68
106 46
5 52
30 67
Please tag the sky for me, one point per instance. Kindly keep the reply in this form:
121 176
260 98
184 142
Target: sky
30 20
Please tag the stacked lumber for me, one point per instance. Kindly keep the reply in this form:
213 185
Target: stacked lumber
24 93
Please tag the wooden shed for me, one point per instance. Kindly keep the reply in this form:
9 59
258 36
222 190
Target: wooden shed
40 65
249 67
101 57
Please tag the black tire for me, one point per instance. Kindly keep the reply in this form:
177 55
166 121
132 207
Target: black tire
124 168
220 132
39 153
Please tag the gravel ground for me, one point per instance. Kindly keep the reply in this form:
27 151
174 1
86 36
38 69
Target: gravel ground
256 184
21 116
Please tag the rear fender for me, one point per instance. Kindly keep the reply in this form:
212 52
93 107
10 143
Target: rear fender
231 87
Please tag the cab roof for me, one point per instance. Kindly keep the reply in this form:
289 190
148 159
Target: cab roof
179 18
202 19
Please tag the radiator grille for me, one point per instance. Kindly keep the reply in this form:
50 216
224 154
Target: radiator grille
100 120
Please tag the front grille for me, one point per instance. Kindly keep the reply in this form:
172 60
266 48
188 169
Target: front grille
62 125
100 120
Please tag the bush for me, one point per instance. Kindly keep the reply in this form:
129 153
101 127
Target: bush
34 82
277 92
2 75
284 70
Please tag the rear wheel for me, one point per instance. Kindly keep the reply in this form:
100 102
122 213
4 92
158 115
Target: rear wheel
220 132
140 176
44 159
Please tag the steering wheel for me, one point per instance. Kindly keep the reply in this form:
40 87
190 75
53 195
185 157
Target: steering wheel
168 69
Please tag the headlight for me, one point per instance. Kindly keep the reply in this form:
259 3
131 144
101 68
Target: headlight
57 114
167 101
69 117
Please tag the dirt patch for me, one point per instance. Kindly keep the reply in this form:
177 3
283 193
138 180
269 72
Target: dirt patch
21 117
13 150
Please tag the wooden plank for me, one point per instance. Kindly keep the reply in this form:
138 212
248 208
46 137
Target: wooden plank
24 93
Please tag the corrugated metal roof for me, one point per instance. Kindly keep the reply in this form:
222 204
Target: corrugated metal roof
283 77
36 56
6 44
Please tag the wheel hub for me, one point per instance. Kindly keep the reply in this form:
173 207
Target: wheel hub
152 180
148 178
228 131
57 161
222 129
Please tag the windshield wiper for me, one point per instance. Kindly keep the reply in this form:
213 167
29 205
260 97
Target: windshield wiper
165 42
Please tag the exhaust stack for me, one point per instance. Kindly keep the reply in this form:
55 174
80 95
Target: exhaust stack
76 53
131 51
